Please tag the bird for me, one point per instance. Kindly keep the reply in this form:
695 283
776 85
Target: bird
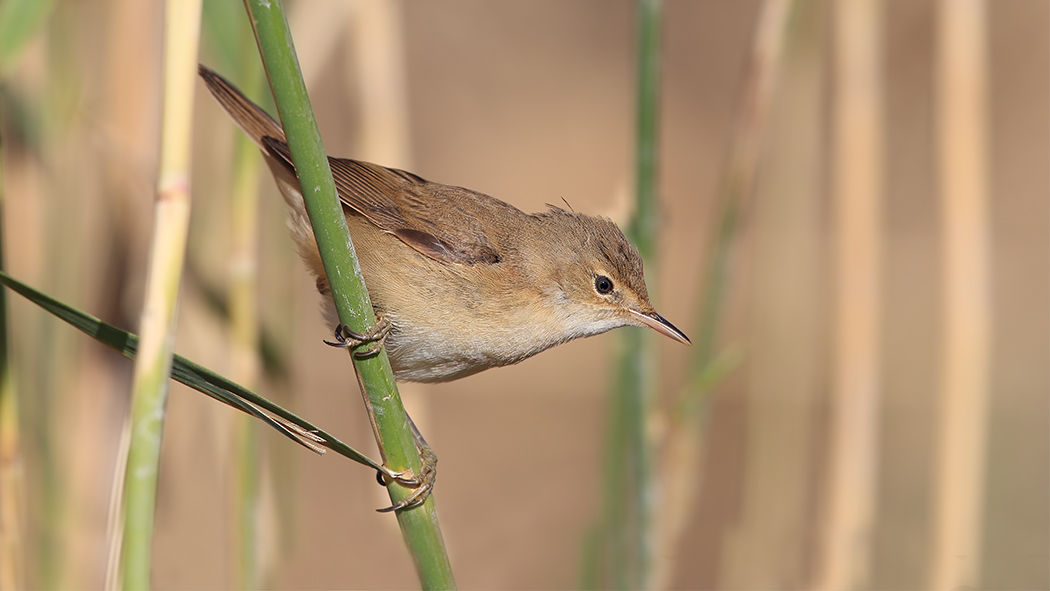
462 281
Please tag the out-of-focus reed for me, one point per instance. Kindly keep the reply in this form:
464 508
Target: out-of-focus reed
856 247
20 21
167 253
618 549
79 132
711 359
964 379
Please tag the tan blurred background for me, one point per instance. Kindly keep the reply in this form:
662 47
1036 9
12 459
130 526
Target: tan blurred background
532 102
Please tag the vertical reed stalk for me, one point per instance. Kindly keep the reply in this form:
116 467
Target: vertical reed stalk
55 374
377 58
244 329
857 196
619 555
765 543
389 421
962 140
11 480
11 476
255 528
167 253
684 446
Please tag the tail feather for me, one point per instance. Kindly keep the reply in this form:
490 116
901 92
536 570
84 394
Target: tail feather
255 122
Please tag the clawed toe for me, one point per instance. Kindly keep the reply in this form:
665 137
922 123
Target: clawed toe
374 337
423 483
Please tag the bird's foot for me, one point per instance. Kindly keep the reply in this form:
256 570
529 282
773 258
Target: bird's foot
423 484
374 337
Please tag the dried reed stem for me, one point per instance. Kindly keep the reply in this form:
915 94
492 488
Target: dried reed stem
765 545
857 196
685 443
961 116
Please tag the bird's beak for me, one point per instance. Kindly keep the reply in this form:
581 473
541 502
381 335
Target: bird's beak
662 326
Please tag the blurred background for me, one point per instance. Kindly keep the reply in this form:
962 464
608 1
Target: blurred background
879 414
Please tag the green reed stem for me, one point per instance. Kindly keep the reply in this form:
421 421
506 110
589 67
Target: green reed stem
244 329
620 549
11 483
167 253
396 443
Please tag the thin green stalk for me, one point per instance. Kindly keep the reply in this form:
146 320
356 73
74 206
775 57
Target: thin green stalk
245 337
643 227
737 187
390 423
196 377
167 253
230 39
246 502
709 366
11 491
623 551
245 342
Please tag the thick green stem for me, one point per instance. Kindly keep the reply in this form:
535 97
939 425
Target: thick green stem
391 425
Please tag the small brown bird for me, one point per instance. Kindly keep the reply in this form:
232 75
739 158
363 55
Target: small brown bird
465 281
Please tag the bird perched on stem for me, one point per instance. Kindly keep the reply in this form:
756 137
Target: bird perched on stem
462 281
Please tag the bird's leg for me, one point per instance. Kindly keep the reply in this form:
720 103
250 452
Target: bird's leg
422 483
374 336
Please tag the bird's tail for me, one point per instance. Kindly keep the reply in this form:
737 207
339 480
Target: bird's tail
255 122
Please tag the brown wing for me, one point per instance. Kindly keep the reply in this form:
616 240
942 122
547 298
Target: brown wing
439 221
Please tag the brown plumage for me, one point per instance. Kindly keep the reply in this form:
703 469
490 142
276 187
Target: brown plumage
467 281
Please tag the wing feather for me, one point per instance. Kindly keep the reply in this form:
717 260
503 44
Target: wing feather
406 205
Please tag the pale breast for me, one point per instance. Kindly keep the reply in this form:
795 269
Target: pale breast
449 321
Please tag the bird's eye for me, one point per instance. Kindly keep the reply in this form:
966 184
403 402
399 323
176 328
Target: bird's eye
603 284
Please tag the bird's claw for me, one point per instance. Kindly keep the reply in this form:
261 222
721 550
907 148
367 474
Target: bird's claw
423 484
375 337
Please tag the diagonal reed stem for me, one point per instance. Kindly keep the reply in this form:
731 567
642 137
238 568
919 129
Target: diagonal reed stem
390 423
688 419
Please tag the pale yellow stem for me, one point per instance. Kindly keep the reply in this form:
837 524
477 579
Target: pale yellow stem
857 200
962 141
157 323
